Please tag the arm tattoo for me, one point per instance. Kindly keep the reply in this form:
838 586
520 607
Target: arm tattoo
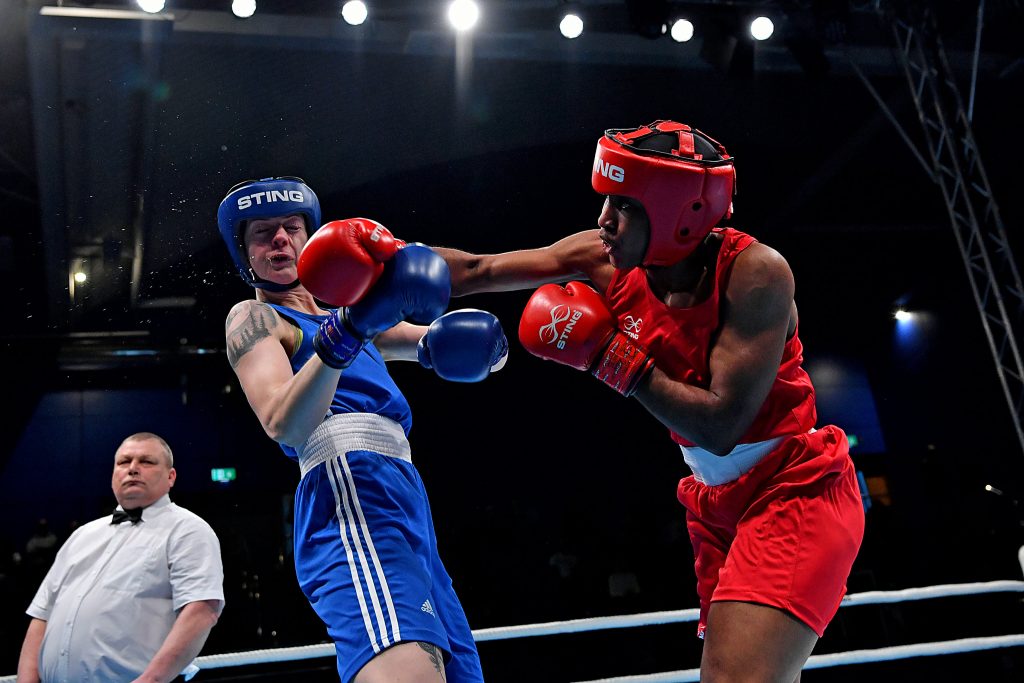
241 338
435 656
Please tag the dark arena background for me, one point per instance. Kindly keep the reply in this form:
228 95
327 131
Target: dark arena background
878 148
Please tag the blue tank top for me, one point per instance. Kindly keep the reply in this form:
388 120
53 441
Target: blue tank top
365 385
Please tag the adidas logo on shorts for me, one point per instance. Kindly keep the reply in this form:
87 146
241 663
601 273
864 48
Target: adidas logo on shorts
425 607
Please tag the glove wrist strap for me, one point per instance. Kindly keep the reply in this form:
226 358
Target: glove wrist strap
335 342
623 365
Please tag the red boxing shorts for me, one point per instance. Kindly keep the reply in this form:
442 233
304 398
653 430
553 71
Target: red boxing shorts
784 534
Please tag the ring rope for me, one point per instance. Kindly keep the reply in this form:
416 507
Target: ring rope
938 591
881 654
284 654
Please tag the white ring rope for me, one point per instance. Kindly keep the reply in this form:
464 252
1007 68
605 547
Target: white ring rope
623 621
946 590
679 616
882 654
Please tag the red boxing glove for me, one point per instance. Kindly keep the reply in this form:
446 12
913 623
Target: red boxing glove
572 325
343 259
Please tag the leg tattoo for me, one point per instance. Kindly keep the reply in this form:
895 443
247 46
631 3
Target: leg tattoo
435 657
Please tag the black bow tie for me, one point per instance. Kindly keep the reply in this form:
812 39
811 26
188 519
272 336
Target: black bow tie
125 515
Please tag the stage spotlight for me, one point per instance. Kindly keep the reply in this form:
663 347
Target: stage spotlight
80 269
243 9
903 316
151 6
463 14
571 26
762 28
682 31
354 12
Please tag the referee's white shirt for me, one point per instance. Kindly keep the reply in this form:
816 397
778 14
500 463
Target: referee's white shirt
114 591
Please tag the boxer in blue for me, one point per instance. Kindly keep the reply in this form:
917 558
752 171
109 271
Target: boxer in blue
365 551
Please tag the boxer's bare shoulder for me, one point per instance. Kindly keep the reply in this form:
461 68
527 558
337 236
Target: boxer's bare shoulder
249 322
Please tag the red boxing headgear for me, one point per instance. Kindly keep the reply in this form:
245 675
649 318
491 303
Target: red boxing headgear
685 189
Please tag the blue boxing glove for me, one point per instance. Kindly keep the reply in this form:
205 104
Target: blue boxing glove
415 285
464 346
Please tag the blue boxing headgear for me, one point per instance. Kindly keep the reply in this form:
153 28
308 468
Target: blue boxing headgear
264 198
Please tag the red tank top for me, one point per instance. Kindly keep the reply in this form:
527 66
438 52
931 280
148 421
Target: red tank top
679 340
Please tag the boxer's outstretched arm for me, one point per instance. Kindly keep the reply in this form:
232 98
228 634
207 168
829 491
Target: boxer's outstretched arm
575 257
744 361
399 343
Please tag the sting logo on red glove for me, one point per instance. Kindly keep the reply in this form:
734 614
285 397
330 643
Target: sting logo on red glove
573 326
343 260
549 333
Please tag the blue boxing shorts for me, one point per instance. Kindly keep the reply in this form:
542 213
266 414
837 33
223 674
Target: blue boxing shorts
365 549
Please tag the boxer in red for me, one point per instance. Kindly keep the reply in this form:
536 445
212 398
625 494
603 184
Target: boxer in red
698 323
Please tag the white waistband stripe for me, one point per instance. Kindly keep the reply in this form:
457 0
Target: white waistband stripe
347 432
714 470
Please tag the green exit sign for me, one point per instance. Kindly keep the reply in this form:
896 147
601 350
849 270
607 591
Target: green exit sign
223 474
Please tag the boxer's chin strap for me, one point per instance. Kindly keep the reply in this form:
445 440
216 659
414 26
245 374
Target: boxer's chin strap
260 283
